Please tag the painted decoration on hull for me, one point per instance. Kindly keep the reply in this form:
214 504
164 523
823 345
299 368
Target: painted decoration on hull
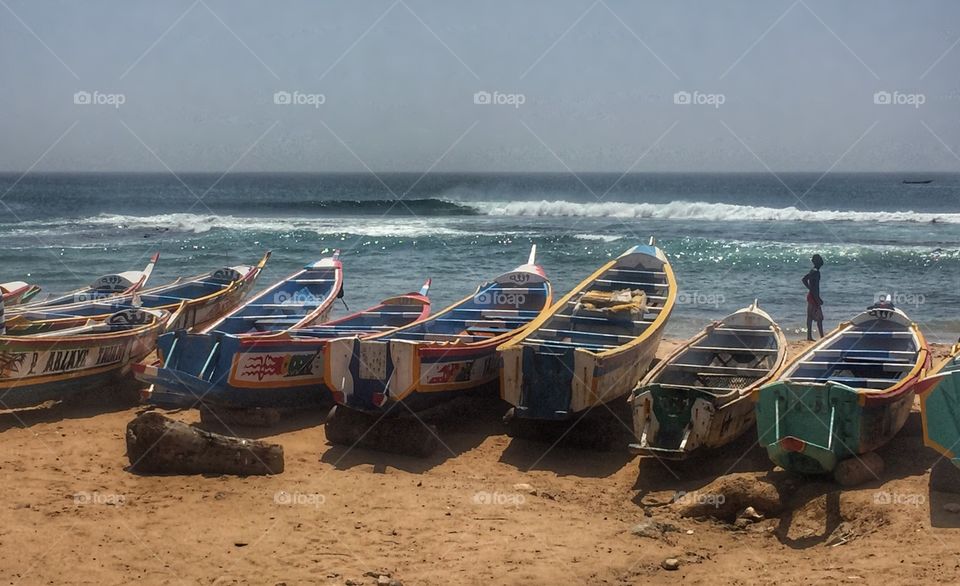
23 365
253 369
474 370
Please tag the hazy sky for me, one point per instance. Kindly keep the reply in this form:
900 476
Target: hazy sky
783 85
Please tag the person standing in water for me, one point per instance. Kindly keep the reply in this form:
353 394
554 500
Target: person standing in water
814 303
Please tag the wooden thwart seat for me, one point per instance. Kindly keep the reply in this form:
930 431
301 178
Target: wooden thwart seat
735 349
717 369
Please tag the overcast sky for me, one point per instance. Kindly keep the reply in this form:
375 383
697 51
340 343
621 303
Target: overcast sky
587 86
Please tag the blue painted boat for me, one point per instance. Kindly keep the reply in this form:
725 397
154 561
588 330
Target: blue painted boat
105 287
440 357
206 298
593 345
54 365
302 299
274 370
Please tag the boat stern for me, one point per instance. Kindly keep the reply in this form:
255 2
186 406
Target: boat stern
669 423
938 408
809 427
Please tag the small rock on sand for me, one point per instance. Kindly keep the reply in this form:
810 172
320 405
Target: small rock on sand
670 564
652 529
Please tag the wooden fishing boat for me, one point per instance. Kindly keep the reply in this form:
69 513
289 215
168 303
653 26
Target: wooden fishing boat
846 395
105 287
438 358
206 297
57 364
700 396
594 344
940 407
302 299
271 370
17 292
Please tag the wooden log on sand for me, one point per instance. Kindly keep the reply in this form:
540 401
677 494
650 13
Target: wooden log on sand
160 445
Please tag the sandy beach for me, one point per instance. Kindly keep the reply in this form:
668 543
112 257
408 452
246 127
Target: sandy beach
490 510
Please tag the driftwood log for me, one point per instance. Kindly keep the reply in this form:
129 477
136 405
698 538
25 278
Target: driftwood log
160 445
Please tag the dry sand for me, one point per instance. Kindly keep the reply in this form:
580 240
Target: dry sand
73 514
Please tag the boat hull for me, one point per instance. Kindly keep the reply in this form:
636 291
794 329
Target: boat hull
241 373
940 411
562 385
32 373
809 427
672 423
373 374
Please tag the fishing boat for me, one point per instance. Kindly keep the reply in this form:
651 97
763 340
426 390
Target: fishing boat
284 369
105 287
940 407
54 365
302 299
701 395
17 292
206 297
436 359
595 343
848 394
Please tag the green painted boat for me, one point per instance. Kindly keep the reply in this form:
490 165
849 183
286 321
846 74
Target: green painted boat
940 407
700 396
848 394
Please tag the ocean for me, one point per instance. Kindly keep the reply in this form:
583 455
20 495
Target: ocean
730 237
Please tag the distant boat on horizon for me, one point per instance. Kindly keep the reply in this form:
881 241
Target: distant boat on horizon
917 181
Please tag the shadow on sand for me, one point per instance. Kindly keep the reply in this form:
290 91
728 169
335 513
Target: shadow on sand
460 426
80 406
